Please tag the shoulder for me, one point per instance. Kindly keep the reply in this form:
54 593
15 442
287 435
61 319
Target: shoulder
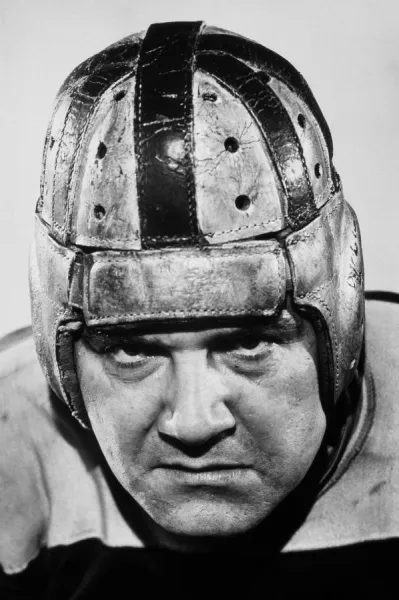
24 505
363 505
382 334
382 318
382 355
53 491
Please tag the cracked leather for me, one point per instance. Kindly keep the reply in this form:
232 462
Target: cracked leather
272 63
220 282
163 128
277 128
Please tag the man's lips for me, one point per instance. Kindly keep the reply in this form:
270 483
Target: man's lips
204 474
201 468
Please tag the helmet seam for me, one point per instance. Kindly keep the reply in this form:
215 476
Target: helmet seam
187 313
225 250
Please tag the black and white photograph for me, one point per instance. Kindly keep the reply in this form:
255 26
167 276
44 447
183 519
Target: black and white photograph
199 308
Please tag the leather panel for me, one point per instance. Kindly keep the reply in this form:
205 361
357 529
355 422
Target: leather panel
78 99
228 281
279 132
163 135
265 59
312 142
103 188
232 160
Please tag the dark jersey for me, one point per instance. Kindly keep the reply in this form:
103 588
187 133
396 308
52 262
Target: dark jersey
64 535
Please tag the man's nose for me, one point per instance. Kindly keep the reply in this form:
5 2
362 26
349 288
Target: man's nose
195 409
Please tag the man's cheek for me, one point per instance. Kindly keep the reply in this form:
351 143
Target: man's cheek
301 443
114 430
286 442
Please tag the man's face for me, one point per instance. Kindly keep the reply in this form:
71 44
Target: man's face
207 429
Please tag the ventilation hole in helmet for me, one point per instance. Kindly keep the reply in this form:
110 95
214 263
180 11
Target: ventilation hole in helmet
318 171
101 150
209 97
243 202
231 144
99 212
120 95
301 120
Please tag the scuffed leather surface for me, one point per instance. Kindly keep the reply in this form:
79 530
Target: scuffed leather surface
163 134
266 60
311 139
118 287
107 181
327 272
75 179
229 281
253 90
74 107
222 176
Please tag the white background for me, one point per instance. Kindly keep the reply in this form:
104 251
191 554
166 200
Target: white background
348 50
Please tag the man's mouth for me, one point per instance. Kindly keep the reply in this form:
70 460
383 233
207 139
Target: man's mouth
205 474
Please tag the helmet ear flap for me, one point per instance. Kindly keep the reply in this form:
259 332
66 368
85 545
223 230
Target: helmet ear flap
350 297
55 322
327 280
327 272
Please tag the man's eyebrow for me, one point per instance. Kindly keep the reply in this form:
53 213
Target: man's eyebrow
285 321
117 335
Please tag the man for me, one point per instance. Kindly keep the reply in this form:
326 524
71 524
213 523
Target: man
198 312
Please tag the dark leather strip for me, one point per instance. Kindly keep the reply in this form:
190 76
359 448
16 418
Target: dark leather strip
107 63
164 135
251 87
272 63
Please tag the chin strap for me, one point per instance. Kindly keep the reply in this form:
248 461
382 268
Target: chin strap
353 420
67 335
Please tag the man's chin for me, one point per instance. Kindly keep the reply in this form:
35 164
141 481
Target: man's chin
206 519
216 509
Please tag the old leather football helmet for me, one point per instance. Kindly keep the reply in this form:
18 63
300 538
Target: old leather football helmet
188 174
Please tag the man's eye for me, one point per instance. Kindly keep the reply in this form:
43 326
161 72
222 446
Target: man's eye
129 356
250 342
249 346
